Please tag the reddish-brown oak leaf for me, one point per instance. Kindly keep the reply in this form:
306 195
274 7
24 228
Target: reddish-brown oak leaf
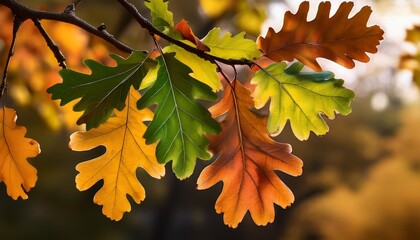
15 170
340 39
247 158
188 34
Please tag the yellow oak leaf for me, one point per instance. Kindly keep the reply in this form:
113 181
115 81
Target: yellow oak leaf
202 70
126 151
15 149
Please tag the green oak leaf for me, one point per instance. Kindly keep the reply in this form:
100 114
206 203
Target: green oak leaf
161 16
180 123
105 89
300 98
236 47
202 70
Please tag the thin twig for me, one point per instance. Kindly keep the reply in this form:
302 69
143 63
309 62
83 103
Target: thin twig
16 24
53 47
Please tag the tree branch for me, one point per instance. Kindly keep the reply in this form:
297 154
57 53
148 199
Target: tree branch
70 17
67 16
144 23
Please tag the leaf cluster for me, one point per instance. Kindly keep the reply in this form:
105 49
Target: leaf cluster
152 108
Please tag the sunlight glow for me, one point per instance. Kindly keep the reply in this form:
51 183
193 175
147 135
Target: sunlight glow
379 101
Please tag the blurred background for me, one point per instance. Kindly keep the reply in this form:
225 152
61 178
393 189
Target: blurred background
360 181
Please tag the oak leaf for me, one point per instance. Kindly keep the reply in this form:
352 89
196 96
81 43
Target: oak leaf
126 151
161 16
105 89
340 39
184 28
15 170
300 97
246 162
231 47
202 70
180 123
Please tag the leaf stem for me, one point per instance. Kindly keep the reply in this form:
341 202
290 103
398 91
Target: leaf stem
157 45
226 78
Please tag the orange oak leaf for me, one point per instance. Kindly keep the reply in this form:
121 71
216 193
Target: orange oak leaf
340 39
188 34
126 150
15 149
246 162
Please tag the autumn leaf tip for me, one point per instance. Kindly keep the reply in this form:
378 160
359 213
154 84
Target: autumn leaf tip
113 218
182 177
22 196
233 226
